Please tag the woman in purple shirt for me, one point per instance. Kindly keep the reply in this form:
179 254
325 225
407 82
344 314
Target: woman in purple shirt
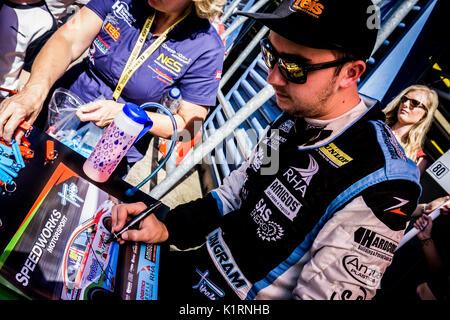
137 51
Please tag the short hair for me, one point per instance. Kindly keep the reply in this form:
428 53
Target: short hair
209 9
339 54
415 137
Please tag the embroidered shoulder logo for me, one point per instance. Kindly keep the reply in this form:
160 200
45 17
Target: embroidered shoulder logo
397 207
113 32
311 7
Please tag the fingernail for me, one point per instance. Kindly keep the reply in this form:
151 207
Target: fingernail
125 236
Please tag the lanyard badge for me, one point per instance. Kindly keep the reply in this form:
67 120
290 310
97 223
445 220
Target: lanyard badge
135 60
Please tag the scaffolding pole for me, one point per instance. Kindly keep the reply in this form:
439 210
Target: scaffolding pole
392 23
215 139
243 56
229 11
242 19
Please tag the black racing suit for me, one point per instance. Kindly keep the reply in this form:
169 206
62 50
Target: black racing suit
315 213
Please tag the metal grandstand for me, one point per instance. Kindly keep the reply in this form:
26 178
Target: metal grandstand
407 49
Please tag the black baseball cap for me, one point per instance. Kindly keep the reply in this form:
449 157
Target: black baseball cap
349 25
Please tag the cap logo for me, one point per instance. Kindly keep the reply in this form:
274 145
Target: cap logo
311 7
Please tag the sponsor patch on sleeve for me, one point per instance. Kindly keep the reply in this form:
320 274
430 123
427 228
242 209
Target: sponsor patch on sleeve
374 244
392 202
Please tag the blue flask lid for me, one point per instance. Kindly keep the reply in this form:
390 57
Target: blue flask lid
135 113
175 93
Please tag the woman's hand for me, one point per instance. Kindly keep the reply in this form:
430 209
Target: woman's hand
151 230
189 119
100 112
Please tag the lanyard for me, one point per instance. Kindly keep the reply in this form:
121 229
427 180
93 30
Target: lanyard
135 61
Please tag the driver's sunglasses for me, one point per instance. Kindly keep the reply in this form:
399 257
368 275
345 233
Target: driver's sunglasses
413 102
292 68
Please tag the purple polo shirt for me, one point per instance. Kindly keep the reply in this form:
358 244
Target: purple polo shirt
190 58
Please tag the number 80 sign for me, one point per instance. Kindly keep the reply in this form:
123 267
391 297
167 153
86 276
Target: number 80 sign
439 171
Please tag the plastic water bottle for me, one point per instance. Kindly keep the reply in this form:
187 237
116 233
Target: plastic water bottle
128 124
172 100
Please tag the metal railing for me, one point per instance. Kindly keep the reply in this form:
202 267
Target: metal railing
234 114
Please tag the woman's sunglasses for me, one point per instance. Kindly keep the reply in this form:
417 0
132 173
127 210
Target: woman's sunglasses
292 70
413 102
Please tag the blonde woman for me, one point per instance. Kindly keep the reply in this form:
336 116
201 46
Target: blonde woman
409 116
189 57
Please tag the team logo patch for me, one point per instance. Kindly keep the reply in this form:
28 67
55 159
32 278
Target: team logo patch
308 173
218 75
169 63
397 208
286 126
102 46
257 160
297 179
121 11
207 287
267 230
311 7
177 55
366 274
283 199
274 140
161 76
225 263
391 143
349 294
374 244
112 31
336 156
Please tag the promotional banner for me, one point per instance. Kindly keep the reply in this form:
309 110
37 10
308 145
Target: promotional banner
61 250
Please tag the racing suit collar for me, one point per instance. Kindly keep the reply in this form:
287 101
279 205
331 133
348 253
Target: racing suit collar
328 130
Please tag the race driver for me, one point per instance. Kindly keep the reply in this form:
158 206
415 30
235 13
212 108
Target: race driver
325 225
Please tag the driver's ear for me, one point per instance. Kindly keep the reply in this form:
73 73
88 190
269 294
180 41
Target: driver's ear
351 72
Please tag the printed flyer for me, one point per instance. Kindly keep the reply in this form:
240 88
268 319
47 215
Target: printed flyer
60 250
